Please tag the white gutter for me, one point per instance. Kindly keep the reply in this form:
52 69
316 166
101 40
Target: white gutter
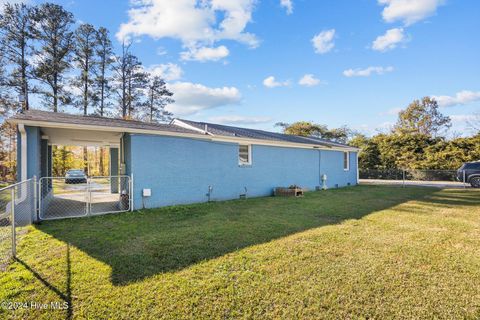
23 151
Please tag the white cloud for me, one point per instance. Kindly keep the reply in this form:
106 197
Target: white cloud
323 42
205 54
385 126
389 40
367 72
270 82
168 71
408 11
462 118
460 98
464 123
288 5
161 51
309 80
191 98
196 23
236 119
391 112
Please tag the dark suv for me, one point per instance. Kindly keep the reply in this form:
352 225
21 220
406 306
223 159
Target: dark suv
472 173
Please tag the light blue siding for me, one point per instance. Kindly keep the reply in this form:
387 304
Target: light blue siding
180 170
331 164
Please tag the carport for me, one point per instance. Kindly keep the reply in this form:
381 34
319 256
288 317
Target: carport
56 198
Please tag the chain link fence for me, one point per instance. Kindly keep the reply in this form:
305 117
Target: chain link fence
440 178
65 198
17 209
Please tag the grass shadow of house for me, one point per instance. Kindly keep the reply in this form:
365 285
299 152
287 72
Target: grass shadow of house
142 244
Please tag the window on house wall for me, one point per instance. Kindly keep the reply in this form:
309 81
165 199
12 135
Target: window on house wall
346 161
244 154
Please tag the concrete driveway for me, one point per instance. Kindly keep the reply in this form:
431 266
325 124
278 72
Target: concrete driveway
435 184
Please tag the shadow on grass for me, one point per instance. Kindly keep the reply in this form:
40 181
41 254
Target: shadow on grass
65 296
145 243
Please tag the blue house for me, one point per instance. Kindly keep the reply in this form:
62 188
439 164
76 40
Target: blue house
186 161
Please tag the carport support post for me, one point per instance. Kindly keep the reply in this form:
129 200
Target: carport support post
114 170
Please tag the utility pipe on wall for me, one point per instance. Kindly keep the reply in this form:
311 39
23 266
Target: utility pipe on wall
23 153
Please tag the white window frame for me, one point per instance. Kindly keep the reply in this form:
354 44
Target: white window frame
249 155
348 160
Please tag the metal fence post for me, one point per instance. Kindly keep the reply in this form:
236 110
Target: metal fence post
88 207
131 192
14 241
35 200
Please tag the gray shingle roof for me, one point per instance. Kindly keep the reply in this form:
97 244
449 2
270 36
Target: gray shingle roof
215 129
60 117
222 130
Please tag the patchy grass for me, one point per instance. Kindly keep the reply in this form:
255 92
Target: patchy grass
360 252
5 195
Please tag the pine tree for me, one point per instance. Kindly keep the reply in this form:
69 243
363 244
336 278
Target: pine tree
16 36
158 97
7 103
53 31
130 80
86 61
137 80
104 53
120 77
102 82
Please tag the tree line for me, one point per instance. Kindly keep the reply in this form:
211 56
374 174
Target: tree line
50 62
417 140
43 53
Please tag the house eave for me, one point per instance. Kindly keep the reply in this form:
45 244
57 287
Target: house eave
201 135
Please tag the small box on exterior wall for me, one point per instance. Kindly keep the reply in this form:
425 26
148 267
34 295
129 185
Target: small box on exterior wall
147 192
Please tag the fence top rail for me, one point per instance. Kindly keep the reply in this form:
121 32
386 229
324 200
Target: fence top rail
422 170
118 176
93 177
15 184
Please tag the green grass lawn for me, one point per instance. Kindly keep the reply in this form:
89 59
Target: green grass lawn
360 252
5 194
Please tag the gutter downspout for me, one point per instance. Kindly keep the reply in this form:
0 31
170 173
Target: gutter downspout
23 176
358 170
23 152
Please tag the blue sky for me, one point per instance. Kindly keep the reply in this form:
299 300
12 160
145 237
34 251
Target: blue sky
240 62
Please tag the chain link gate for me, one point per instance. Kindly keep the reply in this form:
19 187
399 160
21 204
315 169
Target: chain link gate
61 198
